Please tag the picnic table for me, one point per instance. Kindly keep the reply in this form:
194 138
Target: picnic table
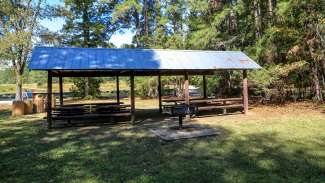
203 100
204 104
91 111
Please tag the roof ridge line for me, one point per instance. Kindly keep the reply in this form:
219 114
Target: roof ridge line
143 49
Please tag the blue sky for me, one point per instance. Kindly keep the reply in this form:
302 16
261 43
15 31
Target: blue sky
55 24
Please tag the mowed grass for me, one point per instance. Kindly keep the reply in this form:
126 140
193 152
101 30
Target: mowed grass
270 144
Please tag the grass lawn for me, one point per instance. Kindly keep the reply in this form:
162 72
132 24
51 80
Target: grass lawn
270 144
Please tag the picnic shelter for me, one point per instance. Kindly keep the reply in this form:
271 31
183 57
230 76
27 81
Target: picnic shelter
108 62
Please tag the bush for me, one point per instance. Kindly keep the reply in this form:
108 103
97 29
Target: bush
78 90
146 86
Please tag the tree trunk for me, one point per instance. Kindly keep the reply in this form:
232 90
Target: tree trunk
323 72
227 86
138 29
179 86
301 87
85 27
86 39
145 22
87 88
149 94
19 85
257 17
318 94
323 81
224 88
175 18
271 11
314 69
232 21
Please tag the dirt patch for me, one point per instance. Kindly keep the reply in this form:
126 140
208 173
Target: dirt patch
5 107
296 108
265 113
188 131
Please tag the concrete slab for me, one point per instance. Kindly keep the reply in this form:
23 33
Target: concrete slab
188 131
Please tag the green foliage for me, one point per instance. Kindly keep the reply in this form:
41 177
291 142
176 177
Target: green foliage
280 77
39 77
278 34
7 76
88 24
290 31
146 86
18 24
78 89
211 81
122 9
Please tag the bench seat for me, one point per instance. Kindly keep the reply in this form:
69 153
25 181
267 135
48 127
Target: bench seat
91 116
233 106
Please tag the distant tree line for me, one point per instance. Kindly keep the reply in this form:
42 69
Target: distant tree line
286 37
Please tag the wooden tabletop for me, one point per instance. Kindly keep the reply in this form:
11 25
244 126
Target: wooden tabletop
178 99
86 107
91 104
204 100
115 106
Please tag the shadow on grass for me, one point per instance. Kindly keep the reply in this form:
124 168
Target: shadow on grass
4 114
143 116
30 153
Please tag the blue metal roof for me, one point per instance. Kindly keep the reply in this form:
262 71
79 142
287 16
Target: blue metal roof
67 58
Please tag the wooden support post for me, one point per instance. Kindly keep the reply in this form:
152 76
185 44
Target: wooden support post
117 90
186 89
245 92
159 93
204 87
186 94
180 122
49 99
61 90
224 109
132 98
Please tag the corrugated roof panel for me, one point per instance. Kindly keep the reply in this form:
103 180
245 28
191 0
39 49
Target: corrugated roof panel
101 60
204 60
59 64
68 61
50 58
83 62
167 62
43 57
180 57
132 57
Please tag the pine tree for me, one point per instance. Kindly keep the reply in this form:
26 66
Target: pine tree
88 24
